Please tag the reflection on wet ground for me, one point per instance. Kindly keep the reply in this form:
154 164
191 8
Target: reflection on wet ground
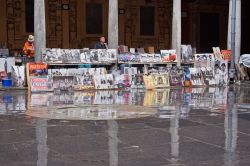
199 126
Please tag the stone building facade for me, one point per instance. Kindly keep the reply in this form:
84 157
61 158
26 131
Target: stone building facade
66 23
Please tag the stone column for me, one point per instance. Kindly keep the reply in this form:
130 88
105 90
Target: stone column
113 24
237 30
176 29
39 28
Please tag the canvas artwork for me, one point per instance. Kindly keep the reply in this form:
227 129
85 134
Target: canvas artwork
196 77
161 80
221 72
104 81
40 83
63 83
52 55
85 82
104 97
84 97
130 70
186 53
226 54
6 64
149 82
137 82
204 60
176 77
208 75
217 53
168 55
18 76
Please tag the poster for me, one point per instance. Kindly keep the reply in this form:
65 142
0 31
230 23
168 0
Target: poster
168 55
217 53
204 60
122 81
208 75
130 70
6 64
37 69
176 77
226 54
149 82
196 77
112 55
85 82
137 82
40 83
18 76
63 83
221 72
161 80
52 55
104 81
186 53
93 56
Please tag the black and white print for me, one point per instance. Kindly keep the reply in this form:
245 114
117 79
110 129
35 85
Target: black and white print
63 83
196 77
208 75
221 72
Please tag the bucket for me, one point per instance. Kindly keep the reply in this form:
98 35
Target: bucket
6 83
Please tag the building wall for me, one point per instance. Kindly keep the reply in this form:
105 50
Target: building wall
66 27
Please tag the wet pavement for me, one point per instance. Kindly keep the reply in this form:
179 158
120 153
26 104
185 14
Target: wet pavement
199 126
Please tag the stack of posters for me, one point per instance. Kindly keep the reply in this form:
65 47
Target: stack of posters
18 76
196 77
186 53
168 55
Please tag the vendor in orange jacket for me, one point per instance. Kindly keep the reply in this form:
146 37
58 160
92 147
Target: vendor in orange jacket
29 48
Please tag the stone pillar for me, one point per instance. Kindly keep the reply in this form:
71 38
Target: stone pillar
176 29
113 24
237 30
39 28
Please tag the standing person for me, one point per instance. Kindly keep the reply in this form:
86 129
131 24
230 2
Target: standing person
101 44
29 49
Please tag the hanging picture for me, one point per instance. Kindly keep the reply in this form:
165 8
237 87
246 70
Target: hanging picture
186 53
196 77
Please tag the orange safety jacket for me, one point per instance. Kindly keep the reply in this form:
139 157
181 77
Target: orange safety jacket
29 49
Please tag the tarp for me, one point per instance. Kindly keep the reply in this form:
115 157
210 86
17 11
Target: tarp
245 60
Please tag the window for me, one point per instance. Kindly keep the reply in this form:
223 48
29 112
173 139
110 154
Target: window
29 16
147 20
94 18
